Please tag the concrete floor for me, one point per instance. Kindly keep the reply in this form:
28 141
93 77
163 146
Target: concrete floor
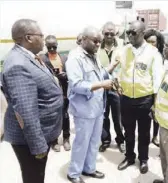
58 163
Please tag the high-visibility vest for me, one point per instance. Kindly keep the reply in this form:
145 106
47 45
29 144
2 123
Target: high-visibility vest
136 72
161 103
104 59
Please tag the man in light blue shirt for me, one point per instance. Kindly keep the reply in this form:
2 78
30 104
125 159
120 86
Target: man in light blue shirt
86 104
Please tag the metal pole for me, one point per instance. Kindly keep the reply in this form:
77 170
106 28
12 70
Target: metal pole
125 27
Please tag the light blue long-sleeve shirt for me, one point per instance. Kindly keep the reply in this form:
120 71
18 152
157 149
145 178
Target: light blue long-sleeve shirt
82 74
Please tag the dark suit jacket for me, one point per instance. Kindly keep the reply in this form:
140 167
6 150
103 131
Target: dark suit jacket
35 101
63 80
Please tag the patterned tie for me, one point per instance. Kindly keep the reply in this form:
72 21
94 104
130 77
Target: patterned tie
47 69
40 60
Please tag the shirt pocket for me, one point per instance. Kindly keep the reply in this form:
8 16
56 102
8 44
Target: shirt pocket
89 73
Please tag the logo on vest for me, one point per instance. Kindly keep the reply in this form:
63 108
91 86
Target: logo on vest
141 66
164 87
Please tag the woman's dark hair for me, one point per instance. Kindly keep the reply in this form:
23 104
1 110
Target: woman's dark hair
159 36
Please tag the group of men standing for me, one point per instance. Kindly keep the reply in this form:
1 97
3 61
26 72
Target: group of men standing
99 75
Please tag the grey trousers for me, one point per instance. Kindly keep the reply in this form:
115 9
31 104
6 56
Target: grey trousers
164 152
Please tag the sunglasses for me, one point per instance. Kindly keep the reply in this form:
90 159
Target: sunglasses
109 34
128 32
51 47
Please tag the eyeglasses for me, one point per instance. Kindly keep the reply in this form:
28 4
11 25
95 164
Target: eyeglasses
128 32
109 34
40 35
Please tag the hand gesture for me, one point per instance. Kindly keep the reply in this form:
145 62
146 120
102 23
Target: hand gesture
116 61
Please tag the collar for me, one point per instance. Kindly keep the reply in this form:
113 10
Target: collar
87 54
24 49
109 51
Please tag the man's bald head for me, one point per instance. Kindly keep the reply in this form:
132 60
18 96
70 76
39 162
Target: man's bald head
50 39
90 31
21 28
109 25
138 25
27 33
91 39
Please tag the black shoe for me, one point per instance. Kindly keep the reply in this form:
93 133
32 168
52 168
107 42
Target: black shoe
56 148
75 180
158 181
103 147
125 163
155 141
96 174
121 147
143 167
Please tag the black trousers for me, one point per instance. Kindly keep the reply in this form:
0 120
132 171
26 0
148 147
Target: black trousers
113 103
137 111
33 170
66 121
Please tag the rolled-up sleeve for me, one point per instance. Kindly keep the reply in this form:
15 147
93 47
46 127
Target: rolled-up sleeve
76 79
157 71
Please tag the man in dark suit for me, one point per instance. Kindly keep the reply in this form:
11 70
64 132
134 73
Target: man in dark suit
56 63
34 114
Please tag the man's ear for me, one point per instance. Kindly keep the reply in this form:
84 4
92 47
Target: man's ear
144 32
84 37
28 38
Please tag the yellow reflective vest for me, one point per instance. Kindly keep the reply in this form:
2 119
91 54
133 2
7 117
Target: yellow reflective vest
136 77
161 103
104 59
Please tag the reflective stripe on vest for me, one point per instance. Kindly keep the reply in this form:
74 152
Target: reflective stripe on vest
161 103
136 73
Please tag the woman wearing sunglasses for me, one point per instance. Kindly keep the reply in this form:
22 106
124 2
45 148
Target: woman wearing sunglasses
156 39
